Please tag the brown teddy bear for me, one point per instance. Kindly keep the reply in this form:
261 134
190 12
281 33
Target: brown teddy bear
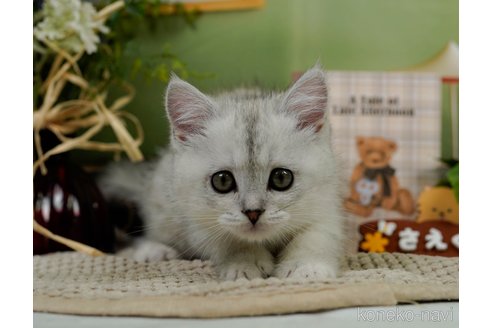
374 183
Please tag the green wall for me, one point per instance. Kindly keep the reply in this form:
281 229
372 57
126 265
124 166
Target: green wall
264 47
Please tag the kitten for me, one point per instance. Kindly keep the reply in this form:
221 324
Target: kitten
250 182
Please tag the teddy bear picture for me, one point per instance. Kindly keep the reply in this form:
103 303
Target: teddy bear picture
374 183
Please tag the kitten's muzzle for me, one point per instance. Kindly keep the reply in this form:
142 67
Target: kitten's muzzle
253 215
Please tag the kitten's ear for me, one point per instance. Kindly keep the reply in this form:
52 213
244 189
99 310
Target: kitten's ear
188 109
308 99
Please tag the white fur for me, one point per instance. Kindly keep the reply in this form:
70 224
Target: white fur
299 234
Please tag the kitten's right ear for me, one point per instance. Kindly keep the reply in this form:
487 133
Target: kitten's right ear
188 109
307 99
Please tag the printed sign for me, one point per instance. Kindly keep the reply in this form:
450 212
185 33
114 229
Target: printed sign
386 130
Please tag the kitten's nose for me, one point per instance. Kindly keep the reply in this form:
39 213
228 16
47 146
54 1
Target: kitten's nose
253 215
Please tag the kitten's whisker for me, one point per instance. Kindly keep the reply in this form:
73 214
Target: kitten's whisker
207 240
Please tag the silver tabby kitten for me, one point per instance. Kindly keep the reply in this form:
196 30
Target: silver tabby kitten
249 182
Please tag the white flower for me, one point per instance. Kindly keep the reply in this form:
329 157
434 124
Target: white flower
70 24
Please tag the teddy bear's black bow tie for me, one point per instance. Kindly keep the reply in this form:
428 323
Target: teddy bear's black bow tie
385 172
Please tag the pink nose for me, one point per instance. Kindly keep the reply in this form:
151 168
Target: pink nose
253 215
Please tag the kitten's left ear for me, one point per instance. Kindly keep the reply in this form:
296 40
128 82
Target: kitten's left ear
307 99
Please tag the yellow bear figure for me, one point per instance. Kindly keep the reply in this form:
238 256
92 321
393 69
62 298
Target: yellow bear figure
437 204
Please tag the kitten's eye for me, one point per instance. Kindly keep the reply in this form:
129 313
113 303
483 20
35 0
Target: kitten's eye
280 179
223 182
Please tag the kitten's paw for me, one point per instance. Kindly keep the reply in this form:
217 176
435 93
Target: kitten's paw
234 271
150 251
305 270
245 267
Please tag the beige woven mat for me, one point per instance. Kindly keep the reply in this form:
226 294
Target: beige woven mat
74 283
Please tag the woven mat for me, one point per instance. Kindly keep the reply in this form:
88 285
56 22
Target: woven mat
74 283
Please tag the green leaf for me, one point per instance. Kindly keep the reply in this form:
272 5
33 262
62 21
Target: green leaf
449 161
453 177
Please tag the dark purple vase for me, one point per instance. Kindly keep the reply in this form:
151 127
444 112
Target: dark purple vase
68 203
